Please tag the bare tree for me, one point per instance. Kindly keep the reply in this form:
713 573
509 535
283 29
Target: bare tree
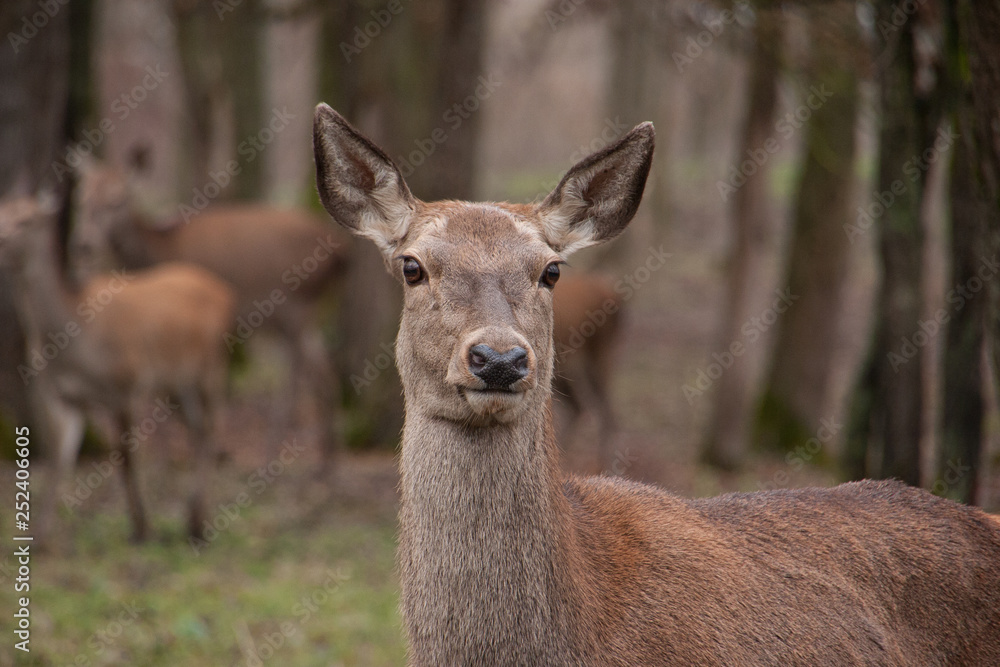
220 51
243 72
886 419
753 232
796 395
34 88
975 214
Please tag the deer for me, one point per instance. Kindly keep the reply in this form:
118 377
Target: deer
118 341
504 559
281 262
586 326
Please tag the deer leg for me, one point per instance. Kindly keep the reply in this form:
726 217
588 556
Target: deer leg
64 426
199 414
606 424
281 416
321 383
586 389
136 510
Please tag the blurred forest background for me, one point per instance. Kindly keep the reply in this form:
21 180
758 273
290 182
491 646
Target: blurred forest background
810 289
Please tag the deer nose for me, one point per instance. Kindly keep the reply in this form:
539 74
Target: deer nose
498 371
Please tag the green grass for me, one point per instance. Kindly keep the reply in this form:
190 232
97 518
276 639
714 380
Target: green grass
285 584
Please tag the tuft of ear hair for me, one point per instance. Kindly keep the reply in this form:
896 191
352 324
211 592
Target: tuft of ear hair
358 184
600 194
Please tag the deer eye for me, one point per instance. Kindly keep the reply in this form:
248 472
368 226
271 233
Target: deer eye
413 273
550 275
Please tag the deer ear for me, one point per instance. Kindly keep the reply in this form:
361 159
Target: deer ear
358 184
597 198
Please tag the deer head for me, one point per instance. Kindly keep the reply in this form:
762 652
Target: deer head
102 204
475 339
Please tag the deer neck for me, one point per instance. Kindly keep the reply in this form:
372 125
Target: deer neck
483 545
138 245
45 299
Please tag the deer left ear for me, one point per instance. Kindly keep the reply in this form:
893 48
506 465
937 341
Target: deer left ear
598 197
359 185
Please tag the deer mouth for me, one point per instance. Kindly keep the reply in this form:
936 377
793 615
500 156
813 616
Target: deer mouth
492 402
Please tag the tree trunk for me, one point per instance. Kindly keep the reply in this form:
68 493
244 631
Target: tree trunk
797 393
198 33
460 89
34 89
220 50
401 87
243 71
636 77
753 232
962 410
34 85
975 213
888 410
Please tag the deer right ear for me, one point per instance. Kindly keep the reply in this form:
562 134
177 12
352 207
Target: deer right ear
358 184
597 198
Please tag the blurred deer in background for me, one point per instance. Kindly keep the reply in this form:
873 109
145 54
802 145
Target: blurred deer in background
282 263
505 560
586 325
118 341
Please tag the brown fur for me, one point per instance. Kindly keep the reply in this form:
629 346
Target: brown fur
260 250
503 560
139 336
586 317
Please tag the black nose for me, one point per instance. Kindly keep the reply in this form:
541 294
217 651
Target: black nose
498 371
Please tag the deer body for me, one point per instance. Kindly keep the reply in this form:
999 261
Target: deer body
586 314
504 560
281 262
599 571
254 248
134 337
